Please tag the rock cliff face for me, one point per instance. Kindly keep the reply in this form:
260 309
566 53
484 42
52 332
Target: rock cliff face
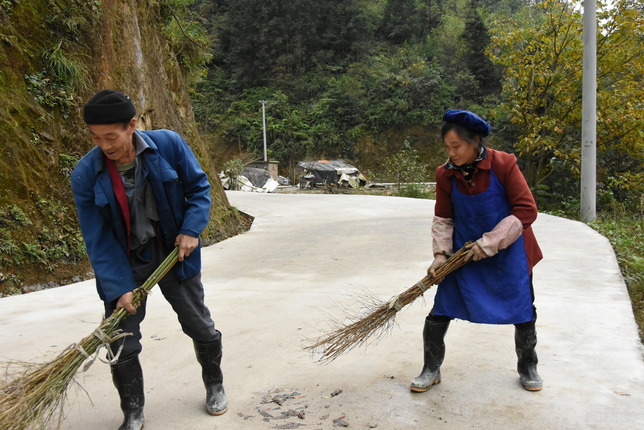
54 54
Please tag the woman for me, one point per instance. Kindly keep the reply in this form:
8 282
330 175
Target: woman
482 196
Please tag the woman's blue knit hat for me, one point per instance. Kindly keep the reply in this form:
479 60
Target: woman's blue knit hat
468 120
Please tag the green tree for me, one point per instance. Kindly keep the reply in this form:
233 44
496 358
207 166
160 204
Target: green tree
400 23
476 40
187 36
288 131
404 87
405 168
620 96
542 85
335 117
263 41
429 14
542 60
405 21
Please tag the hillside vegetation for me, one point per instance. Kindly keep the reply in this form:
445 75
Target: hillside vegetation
54 54
362 80
368 80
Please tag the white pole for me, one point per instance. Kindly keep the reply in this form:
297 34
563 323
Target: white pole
264 126
589 115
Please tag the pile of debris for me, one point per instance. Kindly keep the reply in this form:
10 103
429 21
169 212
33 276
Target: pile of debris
322 173
252 179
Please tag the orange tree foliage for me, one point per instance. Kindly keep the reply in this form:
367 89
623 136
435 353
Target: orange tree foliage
541 53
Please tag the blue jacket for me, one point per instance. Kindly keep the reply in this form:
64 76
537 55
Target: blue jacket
182 193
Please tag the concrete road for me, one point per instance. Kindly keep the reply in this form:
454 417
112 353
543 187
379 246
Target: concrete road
273 289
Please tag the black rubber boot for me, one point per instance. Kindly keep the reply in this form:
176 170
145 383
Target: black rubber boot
525 339
209 356
434 352
128 380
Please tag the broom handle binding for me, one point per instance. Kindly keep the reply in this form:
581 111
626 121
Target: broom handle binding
144 289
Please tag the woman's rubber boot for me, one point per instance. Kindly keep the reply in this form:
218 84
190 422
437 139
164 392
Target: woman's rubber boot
209 356
128 380
525 339
434 352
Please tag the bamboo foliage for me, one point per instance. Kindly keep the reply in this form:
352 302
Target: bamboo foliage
34 399
379 317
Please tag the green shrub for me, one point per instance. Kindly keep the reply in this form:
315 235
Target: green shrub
66 164
416 191
12 216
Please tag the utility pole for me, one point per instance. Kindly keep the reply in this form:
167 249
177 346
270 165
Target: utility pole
263 102
589 115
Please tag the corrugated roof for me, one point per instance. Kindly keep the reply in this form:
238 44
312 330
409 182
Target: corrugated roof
328 165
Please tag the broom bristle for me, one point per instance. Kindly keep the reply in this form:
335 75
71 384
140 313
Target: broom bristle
377 323
33 399
347 337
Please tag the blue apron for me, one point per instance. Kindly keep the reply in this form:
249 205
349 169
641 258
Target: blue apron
495 290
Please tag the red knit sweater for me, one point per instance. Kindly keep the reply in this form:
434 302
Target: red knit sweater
522 204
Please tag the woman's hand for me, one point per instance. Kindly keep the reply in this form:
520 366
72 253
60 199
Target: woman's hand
476 253
439 260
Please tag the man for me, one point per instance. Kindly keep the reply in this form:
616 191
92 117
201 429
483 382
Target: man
138 195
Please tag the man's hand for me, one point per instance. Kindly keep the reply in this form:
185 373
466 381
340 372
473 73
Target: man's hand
186 245
439 260
477 253
125 302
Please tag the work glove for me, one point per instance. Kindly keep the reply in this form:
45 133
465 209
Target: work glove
476 253
504 234
439 260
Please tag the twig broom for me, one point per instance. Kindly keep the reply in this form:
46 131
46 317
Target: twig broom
33 399
378 321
